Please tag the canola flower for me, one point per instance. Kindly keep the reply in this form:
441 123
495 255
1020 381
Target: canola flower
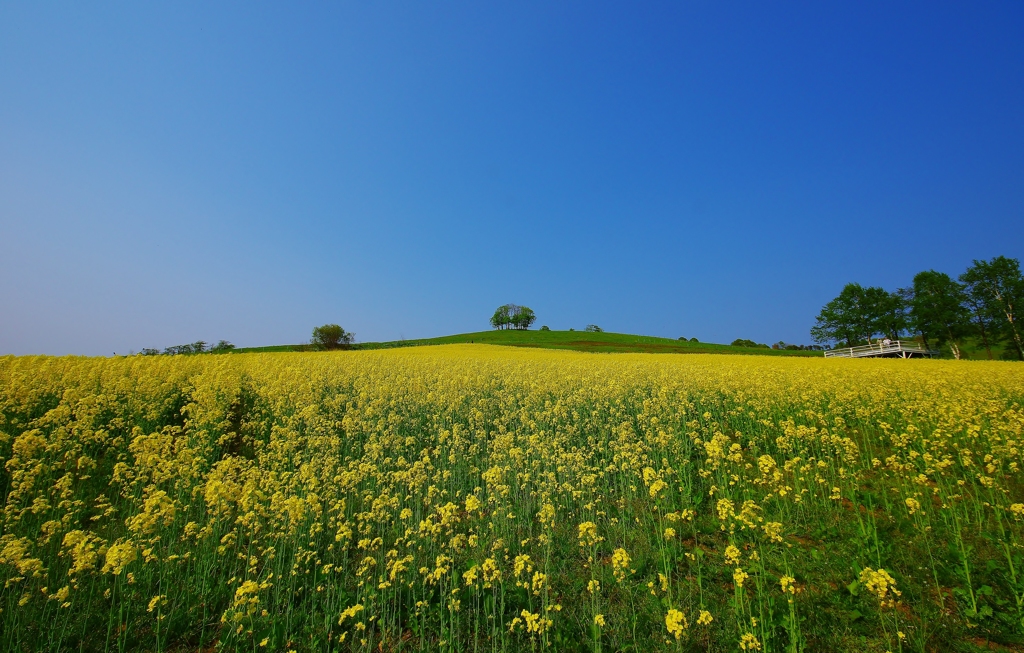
466 497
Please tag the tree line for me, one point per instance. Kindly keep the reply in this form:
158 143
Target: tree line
511 316
983 304
197 347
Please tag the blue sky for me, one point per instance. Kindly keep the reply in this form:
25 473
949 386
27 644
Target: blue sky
173 172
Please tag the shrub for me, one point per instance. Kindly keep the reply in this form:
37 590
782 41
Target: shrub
331 336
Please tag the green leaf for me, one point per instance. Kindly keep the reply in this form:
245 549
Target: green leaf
853 587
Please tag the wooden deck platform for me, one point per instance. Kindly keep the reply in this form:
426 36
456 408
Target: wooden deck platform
881 349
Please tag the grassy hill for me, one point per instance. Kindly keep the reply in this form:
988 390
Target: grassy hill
575 340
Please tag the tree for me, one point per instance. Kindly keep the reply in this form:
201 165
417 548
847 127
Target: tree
887 311
841 320
938 311
983 321
501 318
593 328
999 287
331 336
523 318
511 316
858 313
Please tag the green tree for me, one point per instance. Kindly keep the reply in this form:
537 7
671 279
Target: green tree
331 336
887 311
938 311
524 317
502 317
593 328
511 316
842 319
984 322
858 313
999 285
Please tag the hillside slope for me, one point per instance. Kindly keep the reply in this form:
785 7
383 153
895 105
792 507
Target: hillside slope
575 340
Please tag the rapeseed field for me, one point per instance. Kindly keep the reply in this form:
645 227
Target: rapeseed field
478 498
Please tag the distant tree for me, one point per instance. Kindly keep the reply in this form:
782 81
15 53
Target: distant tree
501 318
984 322
331 336
743 342
839 320
858 313
571 329
999 285
523 318
887 311
938 310
682 338
222 346
197 347
146 351
545 328
593 328
694 340
511 316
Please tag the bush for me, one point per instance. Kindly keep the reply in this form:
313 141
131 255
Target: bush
593 328
331 336
743 342
694 340
545 328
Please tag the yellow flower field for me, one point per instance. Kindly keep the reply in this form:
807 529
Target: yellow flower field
477 498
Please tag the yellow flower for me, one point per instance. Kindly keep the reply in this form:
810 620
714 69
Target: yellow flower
732 555
599 620
787 584
155 602
620 564
705 618
881 584
738 576
588 534
675 622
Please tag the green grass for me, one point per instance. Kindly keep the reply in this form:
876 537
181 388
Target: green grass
574 340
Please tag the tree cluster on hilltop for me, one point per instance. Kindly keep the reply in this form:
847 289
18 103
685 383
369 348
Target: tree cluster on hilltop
511 316
197 347
983 303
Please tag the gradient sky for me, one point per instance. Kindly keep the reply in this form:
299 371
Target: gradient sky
172 172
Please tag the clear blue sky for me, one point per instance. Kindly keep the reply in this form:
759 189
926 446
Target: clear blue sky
172 172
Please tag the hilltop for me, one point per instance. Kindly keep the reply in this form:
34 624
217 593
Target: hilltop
574 340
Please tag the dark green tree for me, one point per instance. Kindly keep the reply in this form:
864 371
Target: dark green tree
523 318
887 311
984 323
331 336
998 284
842 319
938 311
511 316
501 318
858 313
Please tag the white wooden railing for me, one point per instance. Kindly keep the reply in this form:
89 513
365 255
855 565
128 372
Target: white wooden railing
881 348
